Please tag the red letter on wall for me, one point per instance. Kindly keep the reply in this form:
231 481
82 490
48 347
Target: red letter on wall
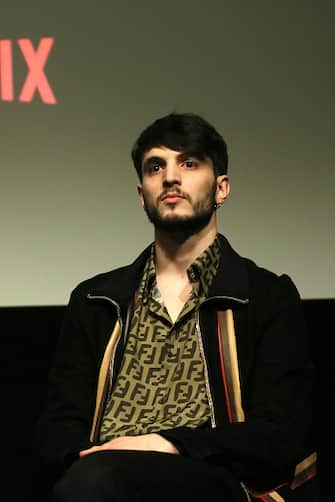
36 79
6 71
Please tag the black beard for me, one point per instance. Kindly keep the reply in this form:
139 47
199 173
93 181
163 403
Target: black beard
182 225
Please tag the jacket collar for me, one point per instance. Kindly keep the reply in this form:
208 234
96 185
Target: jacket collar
230 281
120 284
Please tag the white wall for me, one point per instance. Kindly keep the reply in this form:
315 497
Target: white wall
263 74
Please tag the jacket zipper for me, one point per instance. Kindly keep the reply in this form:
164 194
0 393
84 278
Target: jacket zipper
200 340
202 351
119 317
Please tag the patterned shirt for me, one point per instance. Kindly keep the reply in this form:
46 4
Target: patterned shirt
161 383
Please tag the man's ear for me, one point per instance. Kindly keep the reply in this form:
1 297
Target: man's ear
140 194
222 188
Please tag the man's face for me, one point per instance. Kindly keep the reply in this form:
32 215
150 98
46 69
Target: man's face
178 190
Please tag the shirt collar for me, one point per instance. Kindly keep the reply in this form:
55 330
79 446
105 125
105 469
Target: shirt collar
203 269
201 272
148 278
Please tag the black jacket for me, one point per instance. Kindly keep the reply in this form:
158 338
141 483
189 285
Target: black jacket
276 372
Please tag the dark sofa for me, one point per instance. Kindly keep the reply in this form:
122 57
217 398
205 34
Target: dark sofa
28 338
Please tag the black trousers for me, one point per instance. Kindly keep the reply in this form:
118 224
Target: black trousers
127 476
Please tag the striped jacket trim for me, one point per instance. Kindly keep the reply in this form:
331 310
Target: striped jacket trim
306 469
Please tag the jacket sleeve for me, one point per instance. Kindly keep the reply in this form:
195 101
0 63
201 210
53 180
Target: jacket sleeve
64 426
277 396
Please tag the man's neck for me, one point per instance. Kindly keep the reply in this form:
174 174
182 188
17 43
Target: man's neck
175 253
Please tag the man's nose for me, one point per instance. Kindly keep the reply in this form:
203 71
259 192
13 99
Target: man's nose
172 174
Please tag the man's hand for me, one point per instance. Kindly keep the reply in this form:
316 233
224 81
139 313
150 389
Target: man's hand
152 442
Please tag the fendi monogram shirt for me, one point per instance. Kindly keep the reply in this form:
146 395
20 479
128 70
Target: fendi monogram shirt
161 383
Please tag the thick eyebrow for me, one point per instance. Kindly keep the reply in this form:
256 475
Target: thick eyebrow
190 154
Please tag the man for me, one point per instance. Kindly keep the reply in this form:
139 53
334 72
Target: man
186 374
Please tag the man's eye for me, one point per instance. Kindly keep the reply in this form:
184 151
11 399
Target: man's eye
154 168
189 163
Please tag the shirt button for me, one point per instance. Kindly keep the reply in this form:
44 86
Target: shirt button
192 275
